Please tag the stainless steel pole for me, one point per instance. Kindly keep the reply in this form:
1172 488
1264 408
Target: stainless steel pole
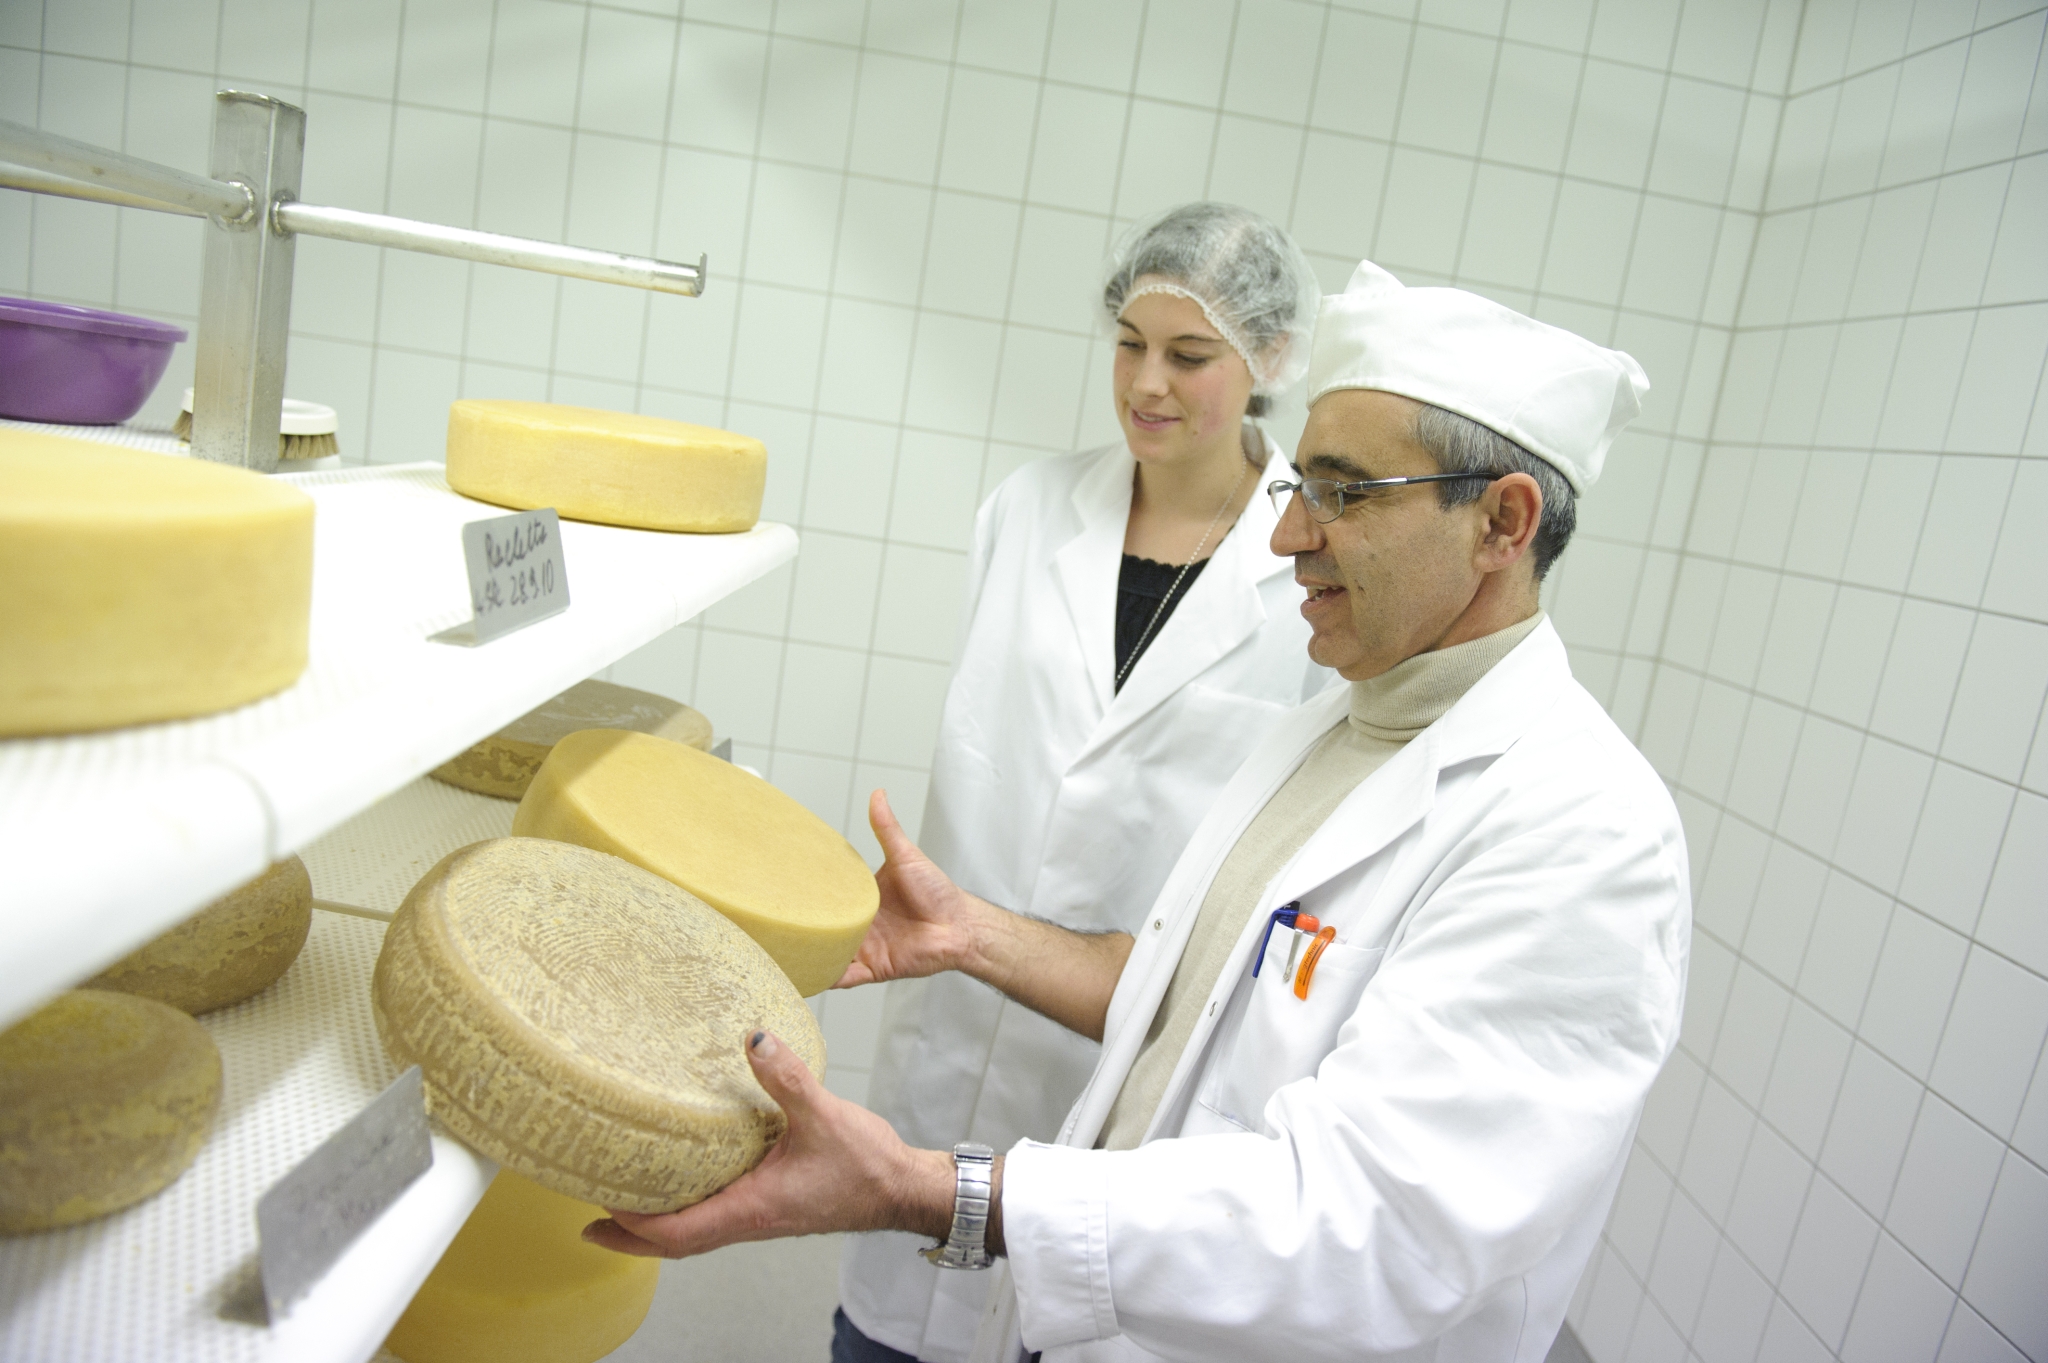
49 182
116 170
490 248
245 295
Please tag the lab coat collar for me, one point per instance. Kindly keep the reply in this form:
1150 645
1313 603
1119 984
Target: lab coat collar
1485 722
1220 611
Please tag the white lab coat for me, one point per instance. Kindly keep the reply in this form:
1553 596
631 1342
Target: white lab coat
1415 1162
1054 795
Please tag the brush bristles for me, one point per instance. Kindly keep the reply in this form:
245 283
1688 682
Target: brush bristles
288 446
307 446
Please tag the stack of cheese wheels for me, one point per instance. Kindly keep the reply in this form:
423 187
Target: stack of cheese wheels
725 835
616 468
503 764
104 1099
520 1282
583 1022
143 587
233 948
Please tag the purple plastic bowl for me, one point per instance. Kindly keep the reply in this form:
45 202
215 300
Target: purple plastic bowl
78 366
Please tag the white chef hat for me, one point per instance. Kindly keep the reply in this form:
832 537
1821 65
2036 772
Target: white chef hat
1555 394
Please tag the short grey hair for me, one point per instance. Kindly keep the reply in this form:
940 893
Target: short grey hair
1461 445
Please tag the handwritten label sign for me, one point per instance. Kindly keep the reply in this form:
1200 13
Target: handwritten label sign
310 1217
516 574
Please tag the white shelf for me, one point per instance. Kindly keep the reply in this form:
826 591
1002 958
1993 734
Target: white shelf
174 1278
111 838
372 862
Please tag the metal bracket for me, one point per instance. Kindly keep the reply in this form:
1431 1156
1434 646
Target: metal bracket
245 298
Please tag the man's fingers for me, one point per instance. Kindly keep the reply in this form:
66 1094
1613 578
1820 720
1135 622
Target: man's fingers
782 1072
615 1237
882 819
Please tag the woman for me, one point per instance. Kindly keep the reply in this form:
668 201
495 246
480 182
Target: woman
1130 638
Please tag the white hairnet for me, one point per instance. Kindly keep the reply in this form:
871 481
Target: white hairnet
1248 277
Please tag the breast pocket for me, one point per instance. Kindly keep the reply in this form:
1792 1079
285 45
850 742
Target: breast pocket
1277 1037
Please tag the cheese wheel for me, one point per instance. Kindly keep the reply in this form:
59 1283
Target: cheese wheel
104 1099
616 468
582 1022
143 587
229 950
503 764
726 836
520 1282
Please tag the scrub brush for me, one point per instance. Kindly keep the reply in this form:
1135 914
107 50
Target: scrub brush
307 429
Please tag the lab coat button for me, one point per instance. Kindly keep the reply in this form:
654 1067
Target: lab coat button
1158 924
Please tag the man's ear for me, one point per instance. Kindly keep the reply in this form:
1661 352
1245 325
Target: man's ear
1514 510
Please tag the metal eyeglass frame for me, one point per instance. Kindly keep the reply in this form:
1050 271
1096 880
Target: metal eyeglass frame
1280 489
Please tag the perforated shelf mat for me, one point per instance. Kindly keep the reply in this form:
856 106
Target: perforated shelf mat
372 862
174 1278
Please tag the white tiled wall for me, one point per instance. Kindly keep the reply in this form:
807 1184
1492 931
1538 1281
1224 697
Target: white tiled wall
1807 580
1846 1156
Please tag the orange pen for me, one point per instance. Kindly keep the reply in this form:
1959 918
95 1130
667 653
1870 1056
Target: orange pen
1324 937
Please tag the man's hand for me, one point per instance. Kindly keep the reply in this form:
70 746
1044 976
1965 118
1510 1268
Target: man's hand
837 1168
925 923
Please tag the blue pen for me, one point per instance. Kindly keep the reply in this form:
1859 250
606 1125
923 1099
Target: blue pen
1284 916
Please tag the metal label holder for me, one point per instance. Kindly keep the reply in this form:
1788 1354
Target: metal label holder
310 1217
517 575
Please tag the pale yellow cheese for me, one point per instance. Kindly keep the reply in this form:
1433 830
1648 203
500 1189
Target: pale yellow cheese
519 1282
582 1022
616 468
503 764
728 837
229 950
104 1099
142 587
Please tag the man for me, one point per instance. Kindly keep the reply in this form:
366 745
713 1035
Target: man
1371 1069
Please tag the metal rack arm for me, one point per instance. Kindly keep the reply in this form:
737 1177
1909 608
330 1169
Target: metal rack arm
491 248
101 168
49 182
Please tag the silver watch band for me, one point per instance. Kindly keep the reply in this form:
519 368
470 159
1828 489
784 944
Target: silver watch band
966 1245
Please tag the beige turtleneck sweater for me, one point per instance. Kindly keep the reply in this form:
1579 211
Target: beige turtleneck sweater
1386 711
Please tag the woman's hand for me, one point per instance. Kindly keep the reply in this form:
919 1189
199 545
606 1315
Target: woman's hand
925 923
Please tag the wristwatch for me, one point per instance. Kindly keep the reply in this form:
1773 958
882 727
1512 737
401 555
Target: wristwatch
966 1245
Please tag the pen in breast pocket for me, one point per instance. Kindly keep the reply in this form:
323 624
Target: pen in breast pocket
1324 936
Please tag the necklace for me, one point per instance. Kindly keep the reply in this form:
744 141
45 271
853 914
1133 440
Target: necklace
1138 649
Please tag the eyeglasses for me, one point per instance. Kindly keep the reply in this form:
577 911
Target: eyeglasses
1325 496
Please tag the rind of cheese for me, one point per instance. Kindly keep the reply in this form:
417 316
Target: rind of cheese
143 587
104 1099
520 1282
582 1022
615 468
233 948
726 836
503 764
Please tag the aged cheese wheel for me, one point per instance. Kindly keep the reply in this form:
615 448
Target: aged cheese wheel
520 1282
229 950
143 587
582 1022
503 764
617 468
728 837
104 1099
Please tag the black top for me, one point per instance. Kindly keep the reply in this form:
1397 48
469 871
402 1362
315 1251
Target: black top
1140 586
